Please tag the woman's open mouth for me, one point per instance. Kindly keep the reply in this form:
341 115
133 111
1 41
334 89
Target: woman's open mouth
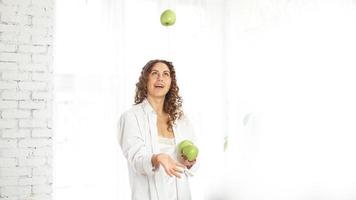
159 86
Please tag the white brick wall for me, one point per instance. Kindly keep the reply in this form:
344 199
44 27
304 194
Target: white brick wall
26 35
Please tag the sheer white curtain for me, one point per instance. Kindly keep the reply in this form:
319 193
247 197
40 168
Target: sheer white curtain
275 77
291 92
85 160
101 49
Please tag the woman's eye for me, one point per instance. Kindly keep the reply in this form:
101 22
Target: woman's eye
166 74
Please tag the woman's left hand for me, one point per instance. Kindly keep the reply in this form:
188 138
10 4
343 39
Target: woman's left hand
186 162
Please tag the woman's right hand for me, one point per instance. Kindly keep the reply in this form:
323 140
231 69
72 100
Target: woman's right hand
171 167
186 162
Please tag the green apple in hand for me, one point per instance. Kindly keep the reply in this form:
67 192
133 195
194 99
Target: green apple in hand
183 144
191 152
168 18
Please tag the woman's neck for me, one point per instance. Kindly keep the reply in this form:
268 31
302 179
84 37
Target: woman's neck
157 104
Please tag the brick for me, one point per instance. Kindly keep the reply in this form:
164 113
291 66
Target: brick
16 133
16 57
44 59
50 49
14 171
32 86
42 114
50 160
8 66
8 85
9 198
15 76
8 143
24 38
50 31
45 3
32 10
41 40
42 133
24 123
7 47
32 162
15 152
44 170
7 123
15 19
32 49
35 9
15 190
9 37
42 21
49 105
50 123
10 28
42 96
7 162
50 86
32 104
36 180
8 9
16 37
8 181
51 68
34 67
35 31
42 189
15 114
43 151
50 178
23 3
39 197
11 95
42 76
35 142
8 104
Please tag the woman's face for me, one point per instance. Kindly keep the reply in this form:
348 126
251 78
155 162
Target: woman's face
159 80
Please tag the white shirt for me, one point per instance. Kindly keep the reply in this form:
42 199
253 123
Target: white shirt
138 139
168 146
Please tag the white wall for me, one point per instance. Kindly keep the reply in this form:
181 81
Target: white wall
26 32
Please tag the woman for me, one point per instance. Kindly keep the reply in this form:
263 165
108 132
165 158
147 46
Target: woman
149 134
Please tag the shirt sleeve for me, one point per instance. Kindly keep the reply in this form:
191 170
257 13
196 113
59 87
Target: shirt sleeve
190 130
133 144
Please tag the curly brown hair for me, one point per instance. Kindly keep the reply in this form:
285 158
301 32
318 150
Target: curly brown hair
172 102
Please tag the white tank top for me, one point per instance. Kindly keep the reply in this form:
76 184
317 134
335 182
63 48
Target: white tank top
168 146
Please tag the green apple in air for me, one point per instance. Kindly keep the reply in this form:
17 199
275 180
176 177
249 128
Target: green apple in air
191 152
168 18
